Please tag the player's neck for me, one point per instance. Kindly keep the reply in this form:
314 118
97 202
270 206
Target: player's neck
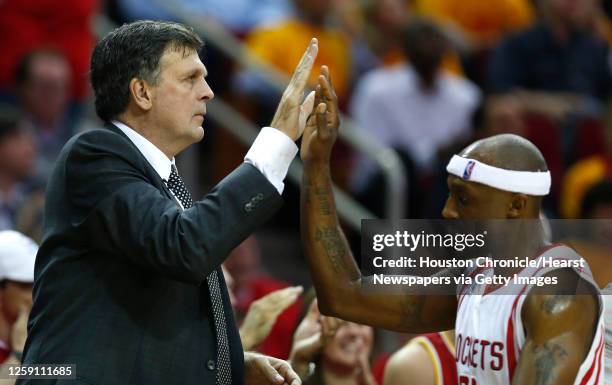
527 240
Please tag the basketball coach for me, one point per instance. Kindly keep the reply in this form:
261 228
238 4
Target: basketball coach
128 285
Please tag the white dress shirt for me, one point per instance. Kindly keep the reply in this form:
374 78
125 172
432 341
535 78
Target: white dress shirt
271 153
393 109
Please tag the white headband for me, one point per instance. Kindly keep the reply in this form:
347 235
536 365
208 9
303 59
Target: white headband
526 182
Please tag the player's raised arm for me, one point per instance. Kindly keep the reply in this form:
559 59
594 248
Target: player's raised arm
334 272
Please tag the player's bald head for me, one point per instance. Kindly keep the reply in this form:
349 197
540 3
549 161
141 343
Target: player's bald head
472 200
507 151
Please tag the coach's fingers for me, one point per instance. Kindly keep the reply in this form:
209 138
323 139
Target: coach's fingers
305 112
302 71
269 372
286 371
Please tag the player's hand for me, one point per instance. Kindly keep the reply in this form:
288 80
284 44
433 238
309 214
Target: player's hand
261 370
292 112
322 126
310 337
263 314
364 373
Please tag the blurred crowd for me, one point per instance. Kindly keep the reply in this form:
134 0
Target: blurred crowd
424 77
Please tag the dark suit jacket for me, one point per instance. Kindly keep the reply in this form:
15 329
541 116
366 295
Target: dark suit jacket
119 275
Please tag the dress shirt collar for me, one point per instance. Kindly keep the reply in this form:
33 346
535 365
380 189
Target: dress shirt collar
156 158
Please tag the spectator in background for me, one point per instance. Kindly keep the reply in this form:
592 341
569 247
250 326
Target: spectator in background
17 154
593 238
251 283
383 22
475 26
559 55
380 43
66 26
275 44
415 108
328 351
428 359
504 114
43 82
603 20
238 16
278 45
480 23
17 256
597 202
587 172
262 313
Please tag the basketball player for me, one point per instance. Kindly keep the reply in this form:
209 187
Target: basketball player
428 359
534 337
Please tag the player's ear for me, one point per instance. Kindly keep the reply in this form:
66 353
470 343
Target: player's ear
517 206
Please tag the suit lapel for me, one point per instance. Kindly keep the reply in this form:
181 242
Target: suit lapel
148 170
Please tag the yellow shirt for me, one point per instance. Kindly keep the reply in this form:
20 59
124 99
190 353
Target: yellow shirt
578 179
282 45
484 21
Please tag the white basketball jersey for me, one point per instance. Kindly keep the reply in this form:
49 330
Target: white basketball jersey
489 330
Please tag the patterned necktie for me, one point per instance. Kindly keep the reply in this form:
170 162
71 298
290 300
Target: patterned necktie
224 373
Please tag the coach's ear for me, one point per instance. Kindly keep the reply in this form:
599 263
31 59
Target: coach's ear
517 206
141 93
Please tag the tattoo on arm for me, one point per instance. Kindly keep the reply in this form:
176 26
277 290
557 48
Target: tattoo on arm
548 356
333 244
322 196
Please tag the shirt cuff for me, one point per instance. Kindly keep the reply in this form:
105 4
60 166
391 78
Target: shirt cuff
272 153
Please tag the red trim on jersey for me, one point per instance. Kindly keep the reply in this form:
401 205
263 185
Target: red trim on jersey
446 358
510 348
510 345
598 363
595 363
510 334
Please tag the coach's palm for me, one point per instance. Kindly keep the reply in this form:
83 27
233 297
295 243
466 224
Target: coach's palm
291 114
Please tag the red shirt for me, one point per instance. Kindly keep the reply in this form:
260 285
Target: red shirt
66 26
278 343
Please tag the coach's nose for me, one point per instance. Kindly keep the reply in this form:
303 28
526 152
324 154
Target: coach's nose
207 93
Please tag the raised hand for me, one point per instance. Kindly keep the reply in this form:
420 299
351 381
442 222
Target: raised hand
322 126
313 333
263 313
365 375
292 111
